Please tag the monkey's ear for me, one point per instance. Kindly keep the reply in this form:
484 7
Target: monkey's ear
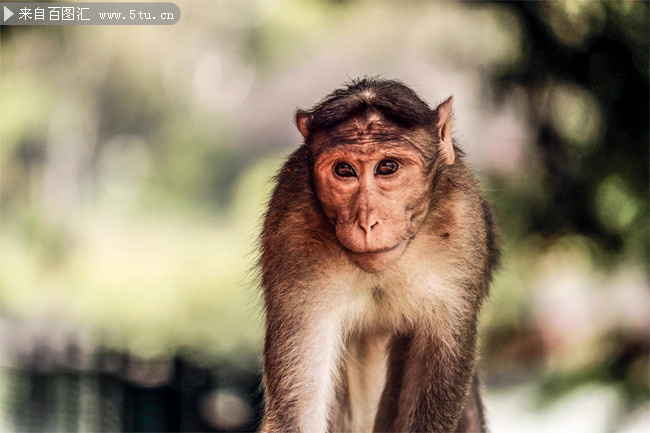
443 127
303 119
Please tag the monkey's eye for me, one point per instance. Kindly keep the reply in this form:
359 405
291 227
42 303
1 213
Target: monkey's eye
387 167
344 169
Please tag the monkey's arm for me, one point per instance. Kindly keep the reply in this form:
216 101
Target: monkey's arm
435 376
300 359
473 418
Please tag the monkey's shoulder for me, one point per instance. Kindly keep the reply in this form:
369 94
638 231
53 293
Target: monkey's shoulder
292 194
294 225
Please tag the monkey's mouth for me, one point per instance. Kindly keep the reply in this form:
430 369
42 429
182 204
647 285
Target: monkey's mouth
376 260
361 251
385 250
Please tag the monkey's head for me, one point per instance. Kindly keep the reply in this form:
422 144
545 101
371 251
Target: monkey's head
375 147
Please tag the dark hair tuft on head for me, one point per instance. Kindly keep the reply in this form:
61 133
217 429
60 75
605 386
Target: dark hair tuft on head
391 98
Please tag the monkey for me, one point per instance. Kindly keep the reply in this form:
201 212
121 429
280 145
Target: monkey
377 252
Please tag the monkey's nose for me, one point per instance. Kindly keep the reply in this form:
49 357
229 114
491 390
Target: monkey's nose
368 225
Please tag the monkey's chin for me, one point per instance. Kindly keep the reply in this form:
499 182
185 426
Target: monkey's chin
376 261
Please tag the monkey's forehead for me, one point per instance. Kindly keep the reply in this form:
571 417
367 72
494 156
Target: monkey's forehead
372 139
368 145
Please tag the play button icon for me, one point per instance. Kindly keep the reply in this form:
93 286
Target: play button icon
8 14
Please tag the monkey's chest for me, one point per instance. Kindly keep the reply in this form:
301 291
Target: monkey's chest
363 378
392 301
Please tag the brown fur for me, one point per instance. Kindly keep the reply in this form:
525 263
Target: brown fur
373 341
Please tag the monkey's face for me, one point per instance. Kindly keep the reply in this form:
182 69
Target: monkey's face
374 194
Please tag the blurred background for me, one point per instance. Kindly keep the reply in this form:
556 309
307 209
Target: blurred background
135 163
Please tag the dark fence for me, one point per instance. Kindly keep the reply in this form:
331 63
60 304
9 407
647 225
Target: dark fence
44 391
